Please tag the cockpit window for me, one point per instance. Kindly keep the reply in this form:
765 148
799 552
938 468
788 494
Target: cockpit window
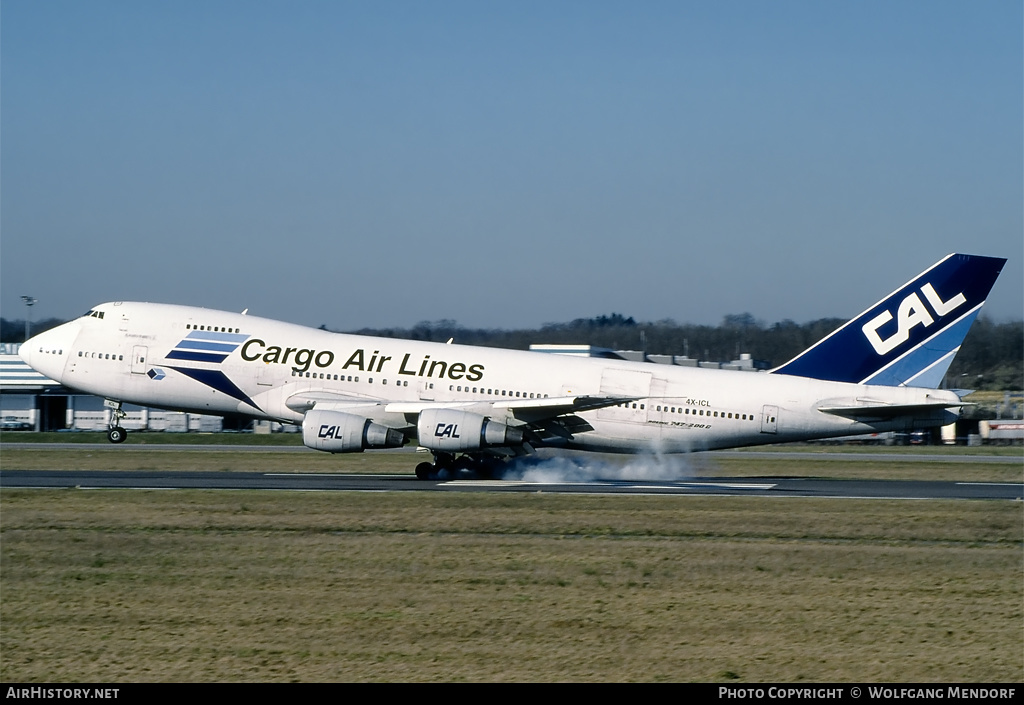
93 314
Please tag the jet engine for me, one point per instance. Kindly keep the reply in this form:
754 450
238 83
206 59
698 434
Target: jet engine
452 430
337 432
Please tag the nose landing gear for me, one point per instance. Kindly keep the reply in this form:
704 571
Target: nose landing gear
116 434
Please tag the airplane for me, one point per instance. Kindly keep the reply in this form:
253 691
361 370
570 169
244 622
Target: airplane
474 407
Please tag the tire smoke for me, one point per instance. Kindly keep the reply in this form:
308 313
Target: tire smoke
560 469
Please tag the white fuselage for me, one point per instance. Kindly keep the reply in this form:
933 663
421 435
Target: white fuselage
213 362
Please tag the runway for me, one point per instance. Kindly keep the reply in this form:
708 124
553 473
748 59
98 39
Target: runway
746 486
911 457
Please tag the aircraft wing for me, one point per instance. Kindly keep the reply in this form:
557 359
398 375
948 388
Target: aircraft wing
546 416
530 410
526 410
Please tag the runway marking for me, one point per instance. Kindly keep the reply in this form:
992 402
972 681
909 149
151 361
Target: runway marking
503 483
993 484
731 485
99 487
322 474
599 483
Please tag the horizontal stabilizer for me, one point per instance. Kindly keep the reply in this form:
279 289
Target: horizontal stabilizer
881 410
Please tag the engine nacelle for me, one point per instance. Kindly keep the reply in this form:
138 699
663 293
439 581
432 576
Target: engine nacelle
338 432
452 430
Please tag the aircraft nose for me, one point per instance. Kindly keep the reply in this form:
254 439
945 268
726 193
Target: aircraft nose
25 351
49 351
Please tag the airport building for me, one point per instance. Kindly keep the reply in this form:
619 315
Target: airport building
31 402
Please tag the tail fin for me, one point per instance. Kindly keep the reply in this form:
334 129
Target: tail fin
910 337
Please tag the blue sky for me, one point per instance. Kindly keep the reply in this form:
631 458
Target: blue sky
505 164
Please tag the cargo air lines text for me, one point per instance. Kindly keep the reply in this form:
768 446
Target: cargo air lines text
301 359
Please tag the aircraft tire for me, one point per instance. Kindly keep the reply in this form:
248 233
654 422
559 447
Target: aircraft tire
490 469
116 435
463 464
424 471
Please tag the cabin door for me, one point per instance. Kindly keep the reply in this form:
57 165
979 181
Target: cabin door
139 355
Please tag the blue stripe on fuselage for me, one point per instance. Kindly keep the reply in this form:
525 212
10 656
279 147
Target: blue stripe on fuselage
195 356
203 345
223 337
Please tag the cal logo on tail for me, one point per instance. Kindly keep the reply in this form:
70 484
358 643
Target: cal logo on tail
910 337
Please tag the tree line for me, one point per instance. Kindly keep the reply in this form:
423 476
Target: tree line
992 355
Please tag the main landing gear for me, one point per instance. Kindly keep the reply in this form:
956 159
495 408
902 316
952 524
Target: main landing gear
446 466
116 434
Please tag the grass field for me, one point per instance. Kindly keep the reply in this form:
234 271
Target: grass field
120 586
